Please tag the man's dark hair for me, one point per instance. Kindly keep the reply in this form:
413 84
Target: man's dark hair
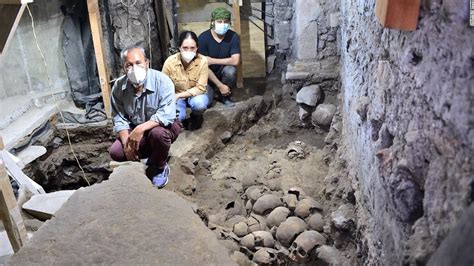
185 35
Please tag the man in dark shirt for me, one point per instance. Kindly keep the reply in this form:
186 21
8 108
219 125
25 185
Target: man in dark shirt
222 48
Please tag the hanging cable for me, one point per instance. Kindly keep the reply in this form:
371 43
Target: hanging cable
54 97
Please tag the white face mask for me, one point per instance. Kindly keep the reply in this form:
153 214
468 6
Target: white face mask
137 75
188 56
221 28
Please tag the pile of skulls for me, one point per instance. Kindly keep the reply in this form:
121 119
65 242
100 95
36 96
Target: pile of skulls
278 227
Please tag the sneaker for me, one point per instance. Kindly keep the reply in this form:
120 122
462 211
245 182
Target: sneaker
228 102
161 179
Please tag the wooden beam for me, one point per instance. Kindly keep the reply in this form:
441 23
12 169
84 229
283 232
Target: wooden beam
9 211
96 29
237 28
10 16
14 2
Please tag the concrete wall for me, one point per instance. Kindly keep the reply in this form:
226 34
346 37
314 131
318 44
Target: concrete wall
25 82
408 126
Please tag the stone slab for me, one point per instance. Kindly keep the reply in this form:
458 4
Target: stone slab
126 221
44 206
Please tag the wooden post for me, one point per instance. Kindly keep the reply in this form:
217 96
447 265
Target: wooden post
9 211
10 16
237 28
96 29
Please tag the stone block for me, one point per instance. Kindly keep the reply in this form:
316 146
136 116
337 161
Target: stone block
282 34
334 19
309 95
307 13
44 206
323 115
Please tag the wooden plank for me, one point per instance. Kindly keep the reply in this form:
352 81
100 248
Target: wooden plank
398 14
237 28
14 2
16 173
162 27
96 29
10 16
9 210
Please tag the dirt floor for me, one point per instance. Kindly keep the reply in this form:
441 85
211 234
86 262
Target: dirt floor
275 155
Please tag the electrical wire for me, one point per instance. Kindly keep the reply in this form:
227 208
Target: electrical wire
54 97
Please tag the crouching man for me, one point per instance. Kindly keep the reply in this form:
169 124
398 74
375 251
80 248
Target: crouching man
144 115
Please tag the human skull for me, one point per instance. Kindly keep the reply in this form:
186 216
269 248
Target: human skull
266 203
266 256
304 244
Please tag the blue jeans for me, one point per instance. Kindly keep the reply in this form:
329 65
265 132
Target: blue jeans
197 103
228 76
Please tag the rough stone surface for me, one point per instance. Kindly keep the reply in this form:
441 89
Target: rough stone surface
124 220
323 115
457 247
309 95
44 206
420 114
306 28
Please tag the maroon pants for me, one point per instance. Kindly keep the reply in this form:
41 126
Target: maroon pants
154 145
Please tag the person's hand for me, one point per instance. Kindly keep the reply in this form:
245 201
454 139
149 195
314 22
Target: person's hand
130 153
224 89
134 138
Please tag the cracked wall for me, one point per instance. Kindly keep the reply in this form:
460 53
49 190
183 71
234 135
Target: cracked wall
408 126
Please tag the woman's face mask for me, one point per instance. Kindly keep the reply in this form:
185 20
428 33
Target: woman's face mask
221 28
187 56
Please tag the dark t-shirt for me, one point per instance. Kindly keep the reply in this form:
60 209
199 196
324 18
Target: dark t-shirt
208 46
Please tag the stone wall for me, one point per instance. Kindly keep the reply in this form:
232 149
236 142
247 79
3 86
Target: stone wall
133 23
408 126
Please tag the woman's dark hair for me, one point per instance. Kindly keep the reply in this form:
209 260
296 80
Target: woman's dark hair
185 35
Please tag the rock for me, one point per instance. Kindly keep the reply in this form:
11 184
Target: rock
206 164
309 95
270 63
304 112
253 193
362 106
329 255
323 115
316 222
249 179
240 258
226 136
343 217
44 206
334 19
266 203
240 229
